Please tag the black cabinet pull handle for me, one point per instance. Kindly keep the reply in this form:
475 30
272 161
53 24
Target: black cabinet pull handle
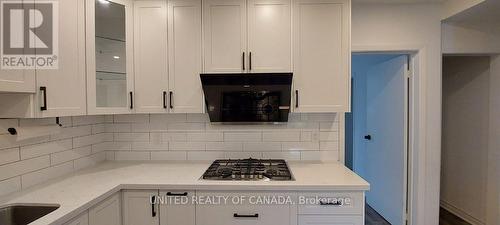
171 93
153 209
296 98
164 99
236 215
243 61
177 194
131 100
250 61
368 137
330 203
44 90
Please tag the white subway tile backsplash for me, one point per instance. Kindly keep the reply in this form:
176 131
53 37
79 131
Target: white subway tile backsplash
42 175
90 160
261 146
118 127
242 136
10 185
329 126
224 146
168 118
242 155
205 137
186 146
197 117
98 128
131 137
281 136
149 146
87 120
292 155
186 127
329 136
131 118
32 151
204 156
140 127
165 137
9 155
300 146
66 156
22 167
329 146
70 132
310 155
6 124
89 140
170 156
132 156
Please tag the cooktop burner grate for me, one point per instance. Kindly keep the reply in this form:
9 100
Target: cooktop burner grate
248 169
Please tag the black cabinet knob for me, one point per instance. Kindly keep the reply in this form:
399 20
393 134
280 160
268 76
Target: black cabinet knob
368 137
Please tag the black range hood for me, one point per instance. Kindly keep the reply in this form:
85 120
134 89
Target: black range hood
247 98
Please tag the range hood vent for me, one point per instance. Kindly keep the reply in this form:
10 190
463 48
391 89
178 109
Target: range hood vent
247 98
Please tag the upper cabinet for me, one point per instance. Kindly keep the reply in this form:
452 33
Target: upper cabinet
247 36
269 37
109 39
21 81
167 55
321 37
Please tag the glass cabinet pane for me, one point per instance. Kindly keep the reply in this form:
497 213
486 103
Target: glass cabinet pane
110 54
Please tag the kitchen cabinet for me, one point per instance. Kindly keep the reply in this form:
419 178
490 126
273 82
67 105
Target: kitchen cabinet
150 56
185 56
107 212
329 220
178 214
269 36
60 91
137 208
321 35
244 212
82 219
168 59
110 65
247 36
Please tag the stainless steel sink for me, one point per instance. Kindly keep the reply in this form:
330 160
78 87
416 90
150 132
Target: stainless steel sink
22 214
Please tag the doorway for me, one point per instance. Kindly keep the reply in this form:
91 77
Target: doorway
377 133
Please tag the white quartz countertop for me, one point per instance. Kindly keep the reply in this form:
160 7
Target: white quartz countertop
79 191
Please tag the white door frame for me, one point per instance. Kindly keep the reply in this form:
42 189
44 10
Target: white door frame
416 125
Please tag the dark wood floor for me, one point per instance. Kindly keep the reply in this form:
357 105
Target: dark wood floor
447 218
373 218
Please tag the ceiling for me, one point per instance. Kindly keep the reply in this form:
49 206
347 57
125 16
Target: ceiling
487 11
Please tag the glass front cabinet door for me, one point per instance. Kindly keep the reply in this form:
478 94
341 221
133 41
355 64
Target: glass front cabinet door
109 43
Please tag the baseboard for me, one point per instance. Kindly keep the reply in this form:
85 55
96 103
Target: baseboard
460 213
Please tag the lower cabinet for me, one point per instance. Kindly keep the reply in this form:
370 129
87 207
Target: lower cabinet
150 207
329 220
108 212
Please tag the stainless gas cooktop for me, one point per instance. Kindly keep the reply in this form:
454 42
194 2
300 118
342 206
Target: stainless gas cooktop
248 169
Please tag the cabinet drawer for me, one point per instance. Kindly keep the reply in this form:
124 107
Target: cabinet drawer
346 203
244 213
329 220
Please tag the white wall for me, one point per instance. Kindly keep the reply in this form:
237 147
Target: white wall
471 37
452 7
412 26
465 136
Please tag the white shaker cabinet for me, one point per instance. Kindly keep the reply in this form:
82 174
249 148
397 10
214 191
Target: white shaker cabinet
107 212
225 36
150 56
269 36
185 56
329 220
137 208
62 91
178 214
17 81
321 43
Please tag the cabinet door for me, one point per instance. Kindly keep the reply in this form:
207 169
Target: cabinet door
64 91
107 212
82 219
185 59
109 42
269 36
137 208
150 56
329 220
180 213
225 35
321 55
